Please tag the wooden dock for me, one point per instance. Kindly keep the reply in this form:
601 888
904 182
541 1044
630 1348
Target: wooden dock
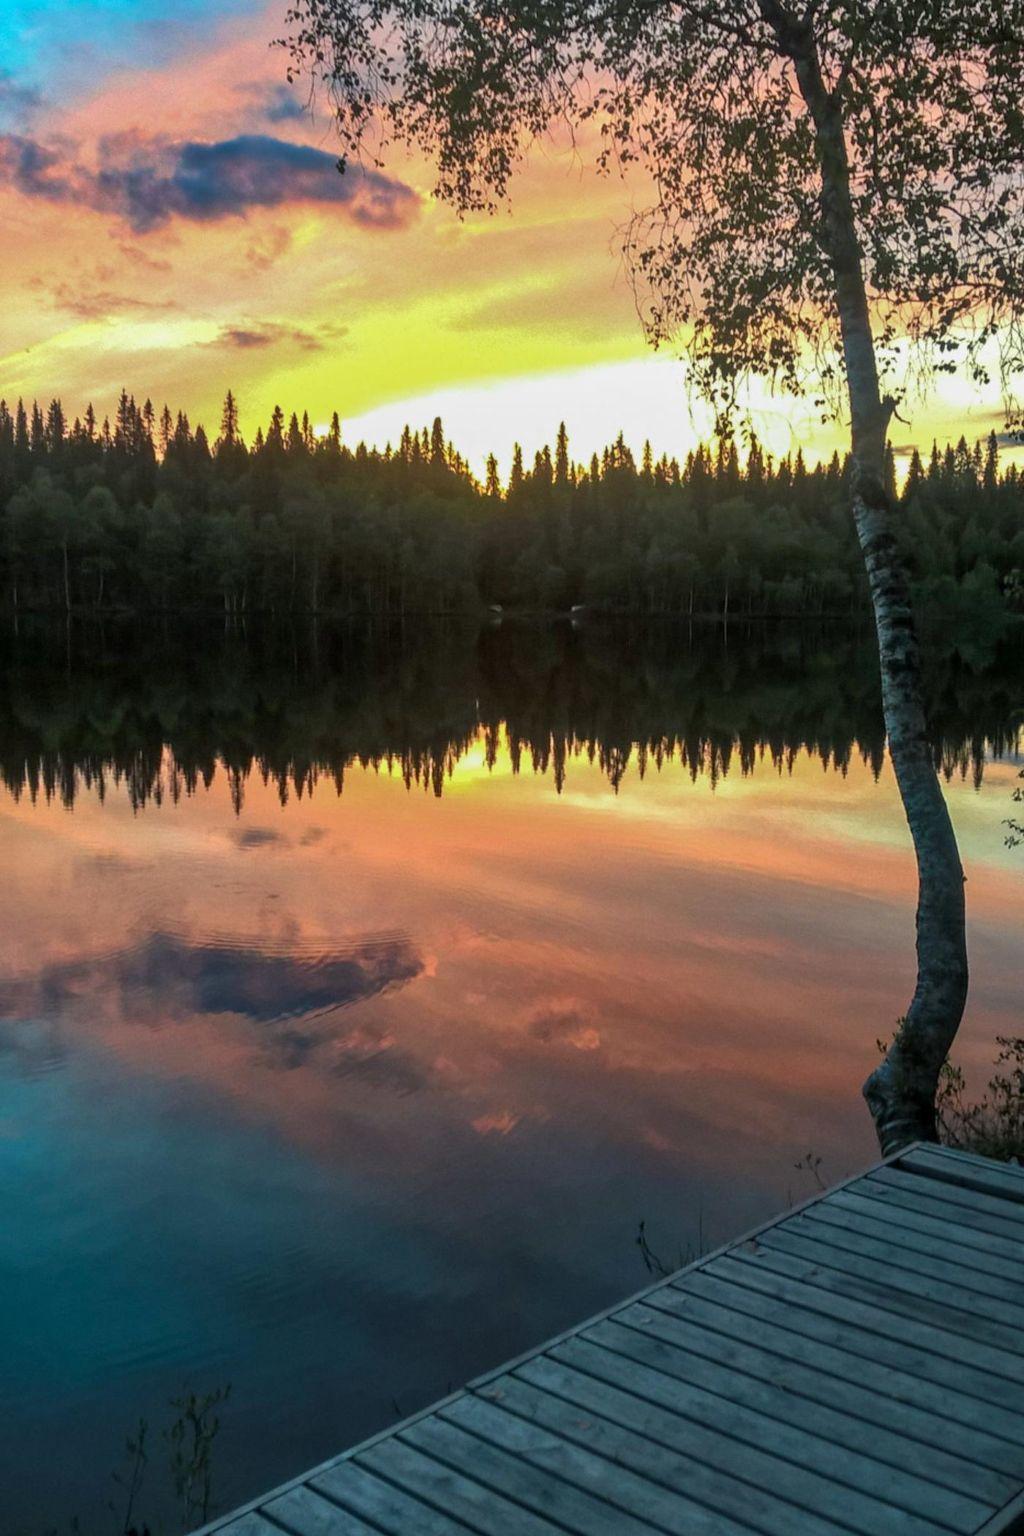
856 1365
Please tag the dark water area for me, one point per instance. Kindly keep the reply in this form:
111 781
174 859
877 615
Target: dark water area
361 990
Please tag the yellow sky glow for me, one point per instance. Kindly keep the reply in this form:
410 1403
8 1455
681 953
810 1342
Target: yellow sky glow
502 326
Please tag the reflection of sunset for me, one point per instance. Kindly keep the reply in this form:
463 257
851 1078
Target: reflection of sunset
307 1076
469 962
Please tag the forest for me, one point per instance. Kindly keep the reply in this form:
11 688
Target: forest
147 514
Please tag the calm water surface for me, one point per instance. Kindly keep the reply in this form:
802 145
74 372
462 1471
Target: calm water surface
359 994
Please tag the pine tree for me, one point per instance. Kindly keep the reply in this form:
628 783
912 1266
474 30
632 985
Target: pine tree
990 473
562 467
229 421
516 479
275 431
56 428
21 442
438 457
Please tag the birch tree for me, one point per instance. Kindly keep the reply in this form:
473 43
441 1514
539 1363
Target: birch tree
837 197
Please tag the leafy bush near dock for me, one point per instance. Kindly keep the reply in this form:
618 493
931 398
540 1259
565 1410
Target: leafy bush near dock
994 1126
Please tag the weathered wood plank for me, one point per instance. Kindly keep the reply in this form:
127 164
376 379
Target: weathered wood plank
966 1311
597 1408
981 1266
760 1416
525 1482
625 1496
971 1337
303 1512
252 1523
984 1229
816 1398
1008 1522
412 1466
1009 1215
729 1438
906 1251
387 1507
756 1305
840 1310
949 1167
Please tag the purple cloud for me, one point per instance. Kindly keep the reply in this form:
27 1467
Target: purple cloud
149 184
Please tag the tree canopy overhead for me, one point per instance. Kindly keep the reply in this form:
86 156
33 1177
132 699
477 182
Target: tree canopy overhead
730 110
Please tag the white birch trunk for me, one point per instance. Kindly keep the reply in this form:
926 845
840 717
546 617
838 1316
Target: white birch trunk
901 1091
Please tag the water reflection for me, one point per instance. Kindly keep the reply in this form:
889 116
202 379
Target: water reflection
343 1091
162 717
168 978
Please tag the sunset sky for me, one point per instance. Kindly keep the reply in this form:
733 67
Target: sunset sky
172 221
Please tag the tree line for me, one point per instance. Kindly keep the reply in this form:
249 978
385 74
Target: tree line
146 514
163 717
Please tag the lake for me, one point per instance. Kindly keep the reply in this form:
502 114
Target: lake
362 990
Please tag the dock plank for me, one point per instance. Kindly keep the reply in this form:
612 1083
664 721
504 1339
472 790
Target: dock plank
870 1423
634 1502
415 1466
983 1363
853 1368
806 1468
253 1524
980 1270
927 1214
521 1478
967 1311
609 1410
949 1167
598 1416
358 1491
821 1330
304 1512
986 1211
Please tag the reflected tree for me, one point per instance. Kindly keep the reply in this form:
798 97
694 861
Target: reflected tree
163 716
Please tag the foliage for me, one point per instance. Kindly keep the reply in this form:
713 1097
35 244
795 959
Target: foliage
130 1481
662 1268
994 1125
145 515
732 113
190 1441
1015 832
191 1438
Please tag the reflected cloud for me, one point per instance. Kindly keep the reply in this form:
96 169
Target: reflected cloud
498 1124
568 1022
255 837
372 1057
167 979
